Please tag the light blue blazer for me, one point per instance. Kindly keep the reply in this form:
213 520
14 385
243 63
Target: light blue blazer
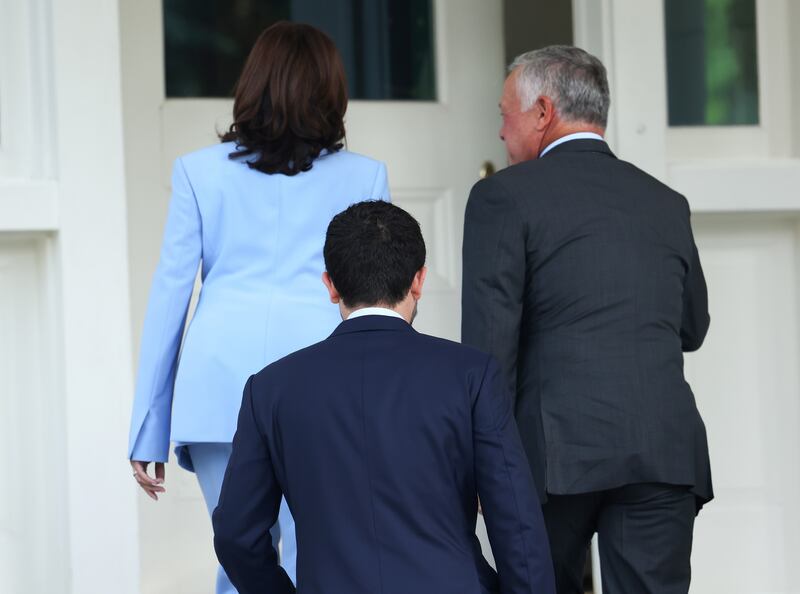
259 238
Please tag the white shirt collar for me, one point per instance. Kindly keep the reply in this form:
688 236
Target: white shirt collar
374 311
568 137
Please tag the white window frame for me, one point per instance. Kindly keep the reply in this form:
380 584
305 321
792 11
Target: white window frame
771 137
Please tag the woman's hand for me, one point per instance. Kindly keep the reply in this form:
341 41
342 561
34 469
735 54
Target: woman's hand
150 485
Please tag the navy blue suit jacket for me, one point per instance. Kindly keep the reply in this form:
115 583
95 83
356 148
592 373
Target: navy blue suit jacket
381 440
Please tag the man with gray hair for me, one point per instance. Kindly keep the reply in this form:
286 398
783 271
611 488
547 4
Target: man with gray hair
582 277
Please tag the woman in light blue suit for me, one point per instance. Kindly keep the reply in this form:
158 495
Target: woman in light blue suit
253 210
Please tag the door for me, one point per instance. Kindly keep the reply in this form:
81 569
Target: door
434 143
746 379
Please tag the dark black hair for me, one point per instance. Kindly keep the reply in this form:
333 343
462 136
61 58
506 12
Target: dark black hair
372 252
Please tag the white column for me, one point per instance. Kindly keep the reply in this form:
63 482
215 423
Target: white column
92 258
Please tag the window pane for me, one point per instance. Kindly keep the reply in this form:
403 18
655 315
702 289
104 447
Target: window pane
712 76
387 45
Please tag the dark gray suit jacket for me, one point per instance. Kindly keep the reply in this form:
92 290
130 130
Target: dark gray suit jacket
582 277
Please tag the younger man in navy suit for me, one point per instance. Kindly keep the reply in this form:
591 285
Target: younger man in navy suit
381 439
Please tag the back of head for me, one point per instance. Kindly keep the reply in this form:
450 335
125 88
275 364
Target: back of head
372 252
290 100
574 80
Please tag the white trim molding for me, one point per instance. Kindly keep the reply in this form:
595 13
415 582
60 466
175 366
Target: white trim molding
28 205
26 92
738 186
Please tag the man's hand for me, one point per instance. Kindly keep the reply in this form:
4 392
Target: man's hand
150 485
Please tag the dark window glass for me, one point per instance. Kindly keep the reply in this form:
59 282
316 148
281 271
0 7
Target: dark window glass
387 45
712 75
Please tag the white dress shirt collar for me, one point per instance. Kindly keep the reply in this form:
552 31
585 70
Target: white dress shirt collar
568 137
374 311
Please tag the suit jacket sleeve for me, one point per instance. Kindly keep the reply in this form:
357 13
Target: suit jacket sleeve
494 275
510 505
695 320
168 304
247 509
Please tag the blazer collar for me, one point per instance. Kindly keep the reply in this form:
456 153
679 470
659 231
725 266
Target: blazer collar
371 324
582 145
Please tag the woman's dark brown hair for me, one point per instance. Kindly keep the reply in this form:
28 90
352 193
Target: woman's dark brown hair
290 100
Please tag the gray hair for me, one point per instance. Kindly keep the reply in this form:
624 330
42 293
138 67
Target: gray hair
575 80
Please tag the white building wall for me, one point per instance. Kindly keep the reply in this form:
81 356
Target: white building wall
69 521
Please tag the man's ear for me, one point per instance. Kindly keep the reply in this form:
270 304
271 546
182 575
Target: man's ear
418 282
326 280
544 111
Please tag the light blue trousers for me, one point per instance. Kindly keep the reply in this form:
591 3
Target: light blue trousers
209 461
